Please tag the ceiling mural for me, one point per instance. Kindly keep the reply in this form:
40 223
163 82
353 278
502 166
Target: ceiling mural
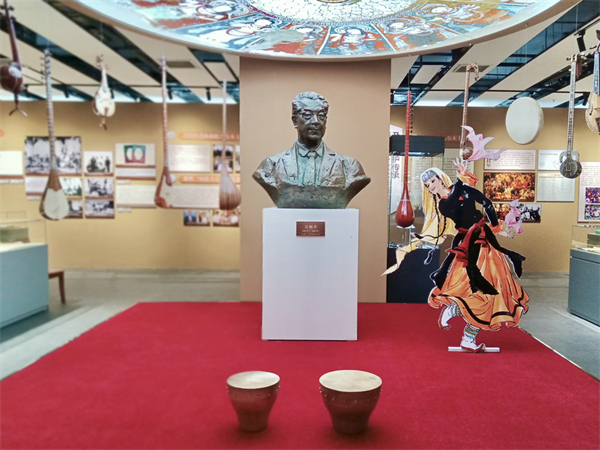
324 29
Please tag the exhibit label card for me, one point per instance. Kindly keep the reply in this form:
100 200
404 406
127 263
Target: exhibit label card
35 185
553 187
312 229
11 164
549 159
196 197
133 196
589 192
190 158
513 160
138 173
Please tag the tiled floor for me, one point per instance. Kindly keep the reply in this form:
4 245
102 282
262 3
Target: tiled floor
95 296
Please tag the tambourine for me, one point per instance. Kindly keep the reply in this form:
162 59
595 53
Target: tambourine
524 120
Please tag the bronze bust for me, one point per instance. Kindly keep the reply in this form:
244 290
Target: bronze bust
309 174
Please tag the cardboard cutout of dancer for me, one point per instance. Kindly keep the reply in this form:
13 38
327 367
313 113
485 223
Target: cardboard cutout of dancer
475 280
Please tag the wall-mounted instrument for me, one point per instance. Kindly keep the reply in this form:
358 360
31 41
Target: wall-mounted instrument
570 167
229 195
524 120
592 114
11 76
103 103
54 205
465 152
405 215
163 198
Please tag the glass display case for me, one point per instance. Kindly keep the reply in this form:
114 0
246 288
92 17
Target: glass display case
16 230
586 237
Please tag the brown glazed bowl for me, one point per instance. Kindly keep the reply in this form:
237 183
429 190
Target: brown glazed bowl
253 395
350 396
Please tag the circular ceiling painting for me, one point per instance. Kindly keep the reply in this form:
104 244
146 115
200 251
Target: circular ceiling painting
323 29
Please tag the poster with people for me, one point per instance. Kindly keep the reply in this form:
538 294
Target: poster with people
98 163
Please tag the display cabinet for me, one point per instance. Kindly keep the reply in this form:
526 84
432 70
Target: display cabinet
411 283
23 267
584 273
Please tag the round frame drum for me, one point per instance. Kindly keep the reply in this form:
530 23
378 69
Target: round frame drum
524 120
252 396
350 396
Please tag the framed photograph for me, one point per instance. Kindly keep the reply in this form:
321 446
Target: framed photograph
196 218
530 212
37 155
99 209
507 186
98 163
238 159
222 218
72 186
100 187
592 195
75 209
135 155
592 213
217 149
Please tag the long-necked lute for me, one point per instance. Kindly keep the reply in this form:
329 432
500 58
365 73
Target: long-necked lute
54 204
592 114
466 152
11 75
570 167
405 215
229 195
103 103
163 198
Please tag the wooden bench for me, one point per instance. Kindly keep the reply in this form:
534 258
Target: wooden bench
60 274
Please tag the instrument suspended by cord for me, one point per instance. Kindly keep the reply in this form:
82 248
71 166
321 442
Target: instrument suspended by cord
54 204
103 103
229 195
405 215
163 198
570 167
11 75
465 152
592 114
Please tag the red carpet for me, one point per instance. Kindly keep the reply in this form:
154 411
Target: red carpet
154 378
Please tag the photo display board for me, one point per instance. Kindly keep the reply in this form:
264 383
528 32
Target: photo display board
549 159
589 192
508 186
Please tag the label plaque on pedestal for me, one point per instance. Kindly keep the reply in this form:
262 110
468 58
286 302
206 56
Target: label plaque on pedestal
310 286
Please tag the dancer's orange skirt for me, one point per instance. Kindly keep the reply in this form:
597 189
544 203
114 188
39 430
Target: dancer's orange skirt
484 311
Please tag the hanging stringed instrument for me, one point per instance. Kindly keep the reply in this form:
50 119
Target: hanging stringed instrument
103 103
229 195
570 167
163 198
405 215
11 76
54 204
465 152
592 114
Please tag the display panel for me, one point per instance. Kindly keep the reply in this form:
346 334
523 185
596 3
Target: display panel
323 29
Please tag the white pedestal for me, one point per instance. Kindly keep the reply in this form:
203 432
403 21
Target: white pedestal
310 284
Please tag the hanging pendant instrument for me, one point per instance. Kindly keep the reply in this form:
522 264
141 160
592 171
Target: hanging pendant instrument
465 152
570 167
229 195
54 204
103 104
592 114
405 215
11 75
163 198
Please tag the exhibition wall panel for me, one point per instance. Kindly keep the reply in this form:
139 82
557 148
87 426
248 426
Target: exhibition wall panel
547 244
357 126
141 238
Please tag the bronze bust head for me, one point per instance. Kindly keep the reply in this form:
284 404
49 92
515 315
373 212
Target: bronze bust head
309 174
